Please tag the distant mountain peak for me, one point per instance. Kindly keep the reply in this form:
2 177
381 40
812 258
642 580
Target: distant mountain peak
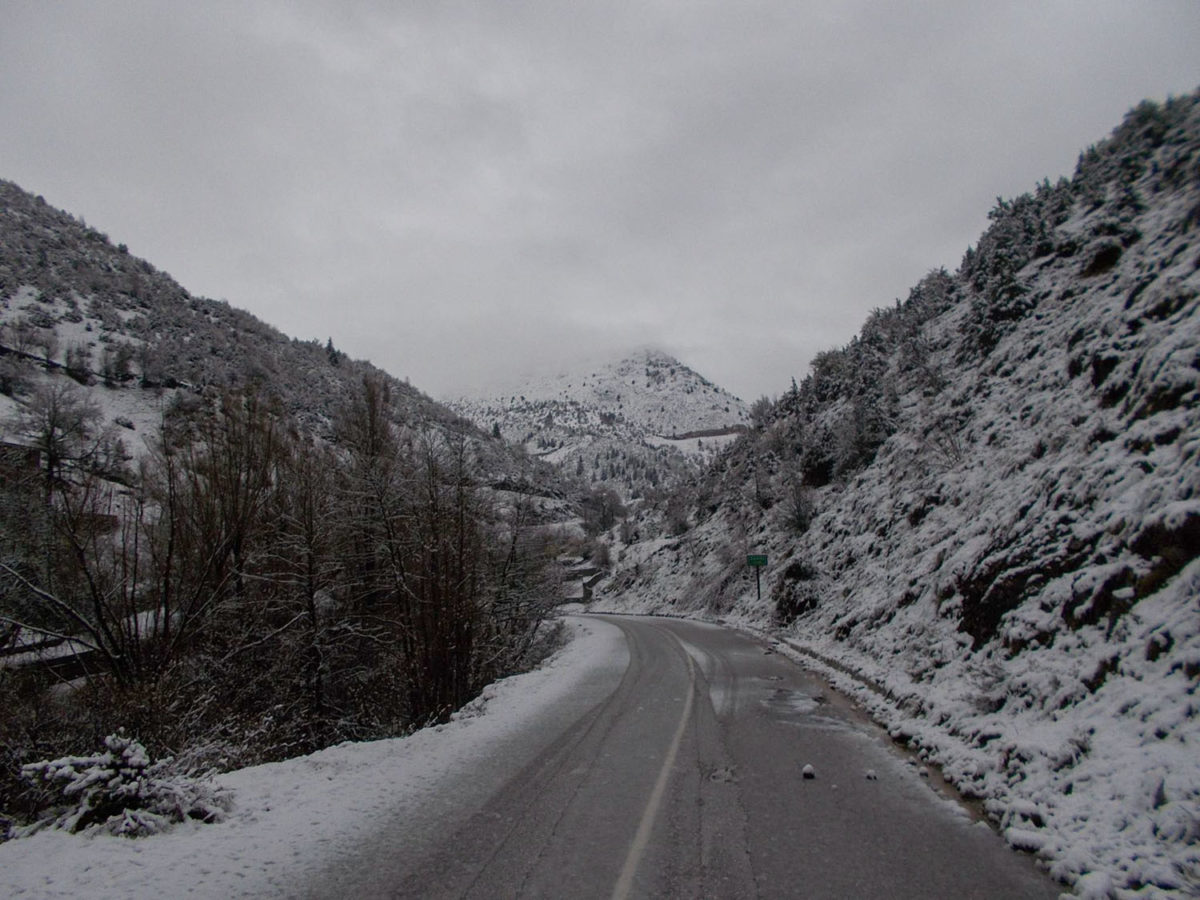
637 419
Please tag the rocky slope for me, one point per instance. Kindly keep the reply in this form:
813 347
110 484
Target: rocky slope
983 515
638 424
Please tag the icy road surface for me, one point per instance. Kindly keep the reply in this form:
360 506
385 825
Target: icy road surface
686 779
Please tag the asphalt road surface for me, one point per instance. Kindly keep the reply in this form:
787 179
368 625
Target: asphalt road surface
681 775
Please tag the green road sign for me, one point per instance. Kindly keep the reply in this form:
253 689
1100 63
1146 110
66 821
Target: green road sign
755 560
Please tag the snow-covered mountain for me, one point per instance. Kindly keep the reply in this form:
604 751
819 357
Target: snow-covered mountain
636 424
983 516
74 306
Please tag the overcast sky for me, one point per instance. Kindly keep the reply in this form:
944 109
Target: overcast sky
461 192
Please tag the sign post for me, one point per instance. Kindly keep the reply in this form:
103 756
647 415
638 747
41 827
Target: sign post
756 561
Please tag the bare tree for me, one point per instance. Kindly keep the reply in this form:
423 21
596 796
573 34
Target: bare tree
46 340
62 423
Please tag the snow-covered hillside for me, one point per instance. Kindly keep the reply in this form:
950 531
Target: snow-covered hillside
74 306
634 424
983 515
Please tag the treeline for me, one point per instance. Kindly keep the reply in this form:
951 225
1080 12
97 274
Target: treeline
248 592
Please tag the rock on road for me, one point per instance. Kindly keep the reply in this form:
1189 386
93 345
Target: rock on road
684 777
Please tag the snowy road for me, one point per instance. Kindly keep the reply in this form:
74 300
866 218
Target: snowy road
683 778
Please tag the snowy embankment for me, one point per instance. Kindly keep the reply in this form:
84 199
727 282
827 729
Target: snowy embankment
1099 791
294 820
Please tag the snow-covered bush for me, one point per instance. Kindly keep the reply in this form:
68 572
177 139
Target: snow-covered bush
122 791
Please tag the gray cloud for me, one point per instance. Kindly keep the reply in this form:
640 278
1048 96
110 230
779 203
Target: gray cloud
463 191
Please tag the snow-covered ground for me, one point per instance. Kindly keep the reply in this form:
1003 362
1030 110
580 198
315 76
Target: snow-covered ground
294 820
140 412
704 446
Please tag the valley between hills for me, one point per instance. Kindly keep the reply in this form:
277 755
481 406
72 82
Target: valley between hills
980 518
